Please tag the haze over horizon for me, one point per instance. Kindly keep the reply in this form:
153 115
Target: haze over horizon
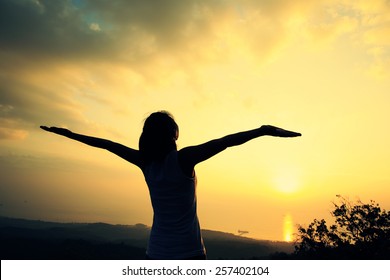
100 68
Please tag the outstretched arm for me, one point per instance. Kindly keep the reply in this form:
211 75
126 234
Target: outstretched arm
190 156
120 150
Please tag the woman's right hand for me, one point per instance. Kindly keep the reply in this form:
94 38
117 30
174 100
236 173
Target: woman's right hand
278 132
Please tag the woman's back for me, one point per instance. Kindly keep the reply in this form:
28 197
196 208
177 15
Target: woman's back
175 232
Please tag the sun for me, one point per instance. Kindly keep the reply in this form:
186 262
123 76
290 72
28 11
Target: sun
287 182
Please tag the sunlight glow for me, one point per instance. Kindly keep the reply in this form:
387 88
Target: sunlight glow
287 182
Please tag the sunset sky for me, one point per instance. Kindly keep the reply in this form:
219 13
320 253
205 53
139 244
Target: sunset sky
319 67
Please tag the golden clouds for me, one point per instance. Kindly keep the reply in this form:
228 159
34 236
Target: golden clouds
379 36
125 52
132 31
12 133
10 128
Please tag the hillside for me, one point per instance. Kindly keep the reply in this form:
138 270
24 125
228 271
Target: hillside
32 239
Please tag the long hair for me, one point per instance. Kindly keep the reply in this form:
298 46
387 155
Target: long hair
158 137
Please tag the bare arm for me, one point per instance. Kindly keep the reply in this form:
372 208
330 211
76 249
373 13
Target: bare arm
190 156
120 150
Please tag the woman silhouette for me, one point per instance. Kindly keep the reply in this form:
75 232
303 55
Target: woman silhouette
171 179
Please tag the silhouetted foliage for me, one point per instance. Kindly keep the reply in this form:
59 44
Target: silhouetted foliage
361 231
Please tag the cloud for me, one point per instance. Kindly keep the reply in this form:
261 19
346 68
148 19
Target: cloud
379 36
95 27
101 30
30 99
9 132
325 33
10 128
46 28
138 32
374 34
55 55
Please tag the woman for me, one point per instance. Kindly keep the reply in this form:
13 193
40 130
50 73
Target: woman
170 176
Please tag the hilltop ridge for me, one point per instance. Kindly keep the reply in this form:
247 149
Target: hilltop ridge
36 239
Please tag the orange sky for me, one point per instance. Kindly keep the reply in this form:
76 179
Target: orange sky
99 68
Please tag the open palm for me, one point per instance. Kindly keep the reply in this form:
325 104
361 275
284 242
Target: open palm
57 130
278 132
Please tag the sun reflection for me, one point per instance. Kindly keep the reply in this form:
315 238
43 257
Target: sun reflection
288 228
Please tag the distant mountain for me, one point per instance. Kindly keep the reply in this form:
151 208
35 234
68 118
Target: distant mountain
34 239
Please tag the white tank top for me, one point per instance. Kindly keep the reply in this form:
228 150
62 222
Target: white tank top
175 231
